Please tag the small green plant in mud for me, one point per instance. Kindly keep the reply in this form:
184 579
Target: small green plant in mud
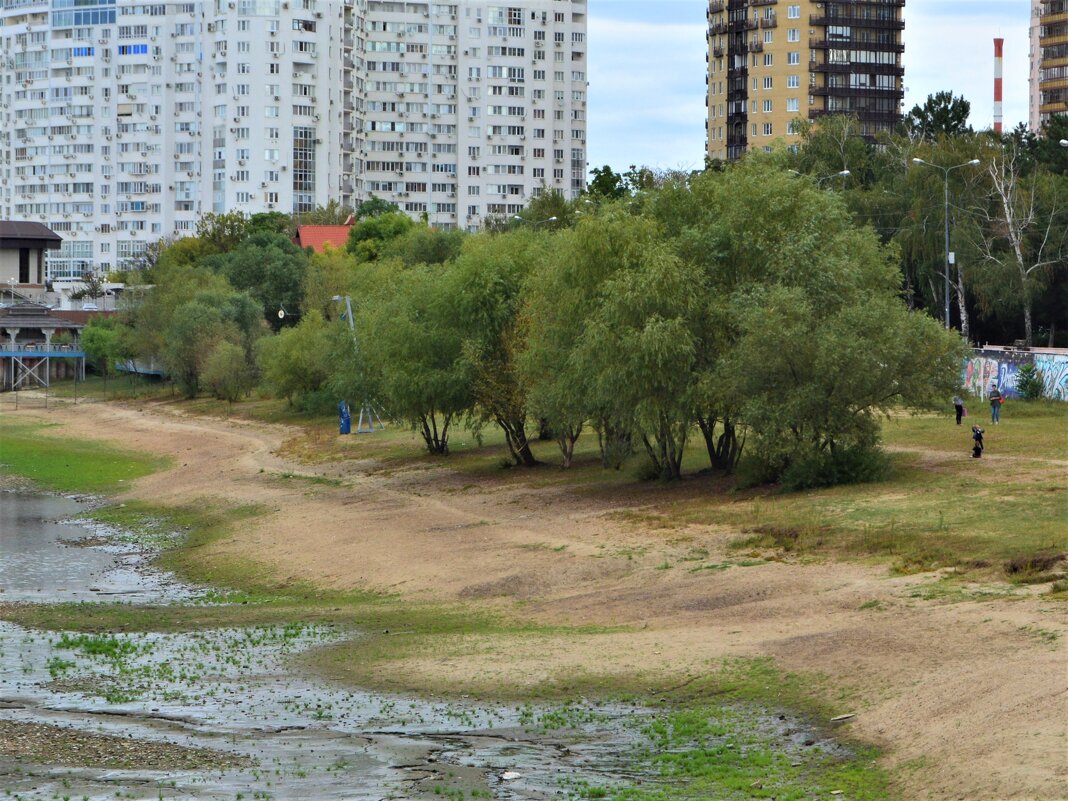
725 753
109 647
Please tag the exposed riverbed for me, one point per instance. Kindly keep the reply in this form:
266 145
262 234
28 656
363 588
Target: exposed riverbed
222 713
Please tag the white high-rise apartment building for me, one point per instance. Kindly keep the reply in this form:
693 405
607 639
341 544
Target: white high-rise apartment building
470 109
124 120
121 121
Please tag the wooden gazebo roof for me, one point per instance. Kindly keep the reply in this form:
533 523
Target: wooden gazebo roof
34 315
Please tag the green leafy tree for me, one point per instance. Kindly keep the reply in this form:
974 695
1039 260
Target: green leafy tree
942 114
374 206
410 359
421 244
369 237
606 184
333 213
571 281
541 211
640 348
1021 230
294 363
191 335
270 222
1030 383
222 232
271 269
104 344
329 274
484 290
227 373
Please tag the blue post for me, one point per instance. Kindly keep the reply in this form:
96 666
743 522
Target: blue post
344 418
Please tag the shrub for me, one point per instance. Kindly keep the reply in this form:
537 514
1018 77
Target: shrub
849 465
1029 382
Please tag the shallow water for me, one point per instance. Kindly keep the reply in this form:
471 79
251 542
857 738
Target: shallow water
233 690
39 564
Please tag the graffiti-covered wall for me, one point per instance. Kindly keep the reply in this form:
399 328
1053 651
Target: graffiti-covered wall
988 367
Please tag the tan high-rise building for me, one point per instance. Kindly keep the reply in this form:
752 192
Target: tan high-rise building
772 63
1052 62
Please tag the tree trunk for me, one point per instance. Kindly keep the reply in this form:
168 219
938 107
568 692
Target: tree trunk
1027 318
615 443
515 436
666 450
724 452
566 440
437 442
965 327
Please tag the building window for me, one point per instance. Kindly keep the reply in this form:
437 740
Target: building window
793 81
793 57
793 104
768 37
767 129
768 60
767 82
793 12
793 35
767 106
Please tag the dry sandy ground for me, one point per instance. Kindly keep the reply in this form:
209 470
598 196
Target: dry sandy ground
967 699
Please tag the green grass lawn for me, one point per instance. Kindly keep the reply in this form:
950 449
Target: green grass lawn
68 465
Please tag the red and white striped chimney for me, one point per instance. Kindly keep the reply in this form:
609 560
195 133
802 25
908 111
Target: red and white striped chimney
998 58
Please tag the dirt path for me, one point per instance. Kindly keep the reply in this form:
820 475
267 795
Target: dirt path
969 699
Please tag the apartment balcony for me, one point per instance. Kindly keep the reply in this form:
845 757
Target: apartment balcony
881 47
769 22
763 2
717 7
855 91
717 28
822 20
866 69
742 25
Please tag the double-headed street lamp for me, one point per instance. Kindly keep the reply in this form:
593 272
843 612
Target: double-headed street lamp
820 179
535 223
840 174
945 183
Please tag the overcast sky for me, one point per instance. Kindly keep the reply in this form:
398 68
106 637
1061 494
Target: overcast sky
647 71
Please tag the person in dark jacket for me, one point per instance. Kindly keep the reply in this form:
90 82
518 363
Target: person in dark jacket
995 404
977 442
958 406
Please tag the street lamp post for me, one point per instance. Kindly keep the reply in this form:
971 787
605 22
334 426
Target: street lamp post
945 186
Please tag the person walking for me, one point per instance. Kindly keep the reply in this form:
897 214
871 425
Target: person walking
958 405
995 404
977 442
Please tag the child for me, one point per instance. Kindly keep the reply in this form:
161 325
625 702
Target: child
977 442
